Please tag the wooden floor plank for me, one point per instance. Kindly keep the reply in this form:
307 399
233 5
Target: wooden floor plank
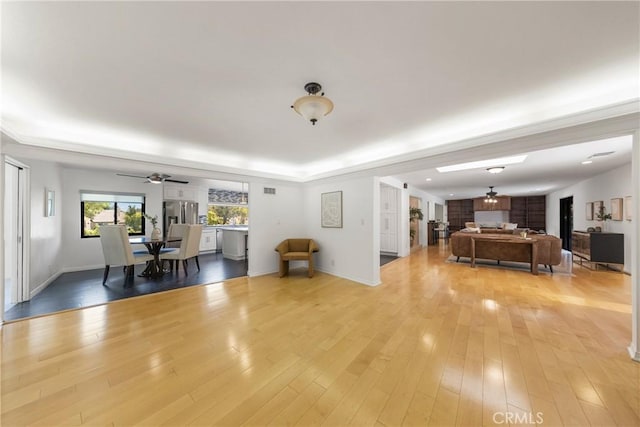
437 343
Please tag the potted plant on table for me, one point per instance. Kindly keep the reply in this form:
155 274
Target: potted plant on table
156 234
602 216
414 214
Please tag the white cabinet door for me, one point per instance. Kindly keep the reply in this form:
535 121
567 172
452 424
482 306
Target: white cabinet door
388 219
208 241
179 192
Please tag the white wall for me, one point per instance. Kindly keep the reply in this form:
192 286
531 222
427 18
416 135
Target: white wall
353 251
273 218
613 184
82 254
46 232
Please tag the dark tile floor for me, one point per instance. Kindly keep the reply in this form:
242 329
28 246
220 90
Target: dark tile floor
84 288
386 258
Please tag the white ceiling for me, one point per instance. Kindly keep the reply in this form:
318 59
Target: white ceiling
210 84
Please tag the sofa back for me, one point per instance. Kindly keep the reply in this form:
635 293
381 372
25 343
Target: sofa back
549 247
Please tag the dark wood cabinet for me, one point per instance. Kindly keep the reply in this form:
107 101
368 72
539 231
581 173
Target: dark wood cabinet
605 248
529 212
459 212
503 204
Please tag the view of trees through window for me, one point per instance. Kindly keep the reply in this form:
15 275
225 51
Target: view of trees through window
95 214
227 215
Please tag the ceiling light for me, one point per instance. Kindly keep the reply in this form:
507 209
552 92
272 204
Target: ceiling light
587 162
428 179
491 196
483 164
495 169
313 107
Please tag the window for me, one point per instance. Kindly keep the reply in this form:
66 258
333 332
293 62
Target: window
98 209
227 215
228 206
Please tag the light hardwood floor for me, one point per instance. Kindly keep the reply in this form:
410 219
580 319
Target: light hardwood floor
437 343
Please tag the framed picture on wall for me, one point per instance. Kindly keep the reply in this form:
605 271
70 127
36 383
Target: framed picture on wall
627 208
331 209
588 214
597 207
616 209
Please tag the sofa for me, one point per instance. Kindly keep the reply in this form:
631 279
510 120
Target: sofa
504 247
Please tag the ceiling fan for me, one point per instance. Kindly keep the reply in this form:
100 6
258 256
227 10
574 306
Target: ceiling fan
156 178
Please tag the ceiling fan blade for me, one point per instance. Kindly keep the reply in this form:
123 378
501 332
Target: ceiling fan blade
176 181
132 176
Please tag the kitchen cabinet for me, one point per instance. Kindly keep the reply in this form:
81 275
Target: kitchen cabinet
503 204
234 242
208 241
203 200
179 192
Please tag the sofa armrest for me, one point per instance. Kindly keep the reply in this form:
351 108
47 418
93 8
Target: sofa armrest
313 247
283 247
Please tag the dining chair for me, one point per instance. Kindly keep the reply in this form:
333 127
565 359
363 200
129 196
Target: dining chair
117 250
189 248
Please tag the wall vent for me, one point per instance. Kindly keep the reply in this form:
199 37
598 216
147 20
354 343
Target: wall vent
269 190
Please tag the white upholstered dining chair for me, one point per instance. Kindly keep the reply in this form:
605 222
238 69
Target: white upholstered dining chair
189 248
117 250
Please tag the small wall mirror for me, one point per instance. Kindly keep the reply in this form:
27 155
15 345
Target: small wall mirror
49 202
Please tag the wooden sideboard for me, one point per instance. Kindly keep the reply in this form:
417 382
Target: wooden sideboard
598 247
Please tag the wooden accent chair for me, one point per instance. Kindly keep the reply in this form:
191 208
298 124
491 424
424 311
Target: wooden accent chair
294 250
117 250
189 248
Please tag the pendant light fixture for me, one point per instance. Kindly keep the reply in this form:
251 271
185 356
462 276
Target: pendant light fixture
491 196
314 106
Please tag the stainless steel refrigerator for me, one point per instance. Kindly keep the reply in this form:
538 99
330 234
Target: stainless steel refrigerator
178 212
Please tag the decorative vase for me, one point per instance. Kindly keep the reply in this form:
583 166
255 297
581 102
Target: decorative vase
156 234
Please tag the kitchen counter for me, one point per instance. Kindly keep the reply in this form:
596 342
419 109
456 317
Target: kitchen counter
234 242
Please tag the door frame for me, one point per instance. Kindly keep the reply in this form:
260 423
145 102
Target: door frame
24 221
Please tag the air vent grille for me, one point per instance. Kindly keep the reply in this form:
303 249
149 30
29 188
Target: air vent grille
269 190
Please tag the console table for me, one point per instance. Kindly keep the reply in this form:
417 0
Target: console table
507 241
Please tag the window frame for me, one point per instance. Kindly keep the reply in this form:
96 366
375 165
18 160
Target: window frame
115 218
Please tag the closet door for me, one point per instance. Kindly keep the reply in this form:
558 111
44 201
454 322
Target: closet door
388 219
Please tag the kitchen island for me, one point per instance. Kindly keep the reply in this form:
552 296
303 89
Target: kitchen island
234 242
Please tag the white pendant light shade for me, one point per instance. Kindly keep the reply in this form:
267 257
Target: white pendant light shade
313 107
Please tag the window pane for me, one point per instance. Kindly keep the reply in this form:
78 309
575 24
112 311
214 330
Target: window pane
95 214
227 215
131 216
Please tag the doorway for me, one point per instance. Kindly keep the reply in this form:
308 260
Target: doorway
566 221
14 197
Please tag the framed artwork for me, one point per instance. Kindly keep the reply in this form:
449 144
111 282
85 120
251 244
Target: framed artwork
331 209
588 214
49 202
597 206
627 208
616 209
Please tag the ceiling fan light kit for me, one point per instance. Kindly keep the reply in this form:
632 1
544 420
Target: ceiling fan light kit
313 107
495 169
155 178
491 196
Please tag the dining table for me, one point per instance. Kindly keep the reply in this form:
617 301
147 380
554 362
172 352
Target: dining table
154 247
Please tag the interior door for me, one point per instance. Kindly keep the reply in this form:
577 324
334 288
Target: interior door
388 219
566 221
13 234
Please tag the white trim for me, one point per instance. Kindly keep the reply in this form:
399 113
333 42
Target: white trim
353 279
44 285
634 347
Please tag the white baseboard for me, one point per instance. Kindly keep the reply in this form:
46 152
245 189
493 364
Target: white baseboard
82 268
344 276
635 355
44 284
